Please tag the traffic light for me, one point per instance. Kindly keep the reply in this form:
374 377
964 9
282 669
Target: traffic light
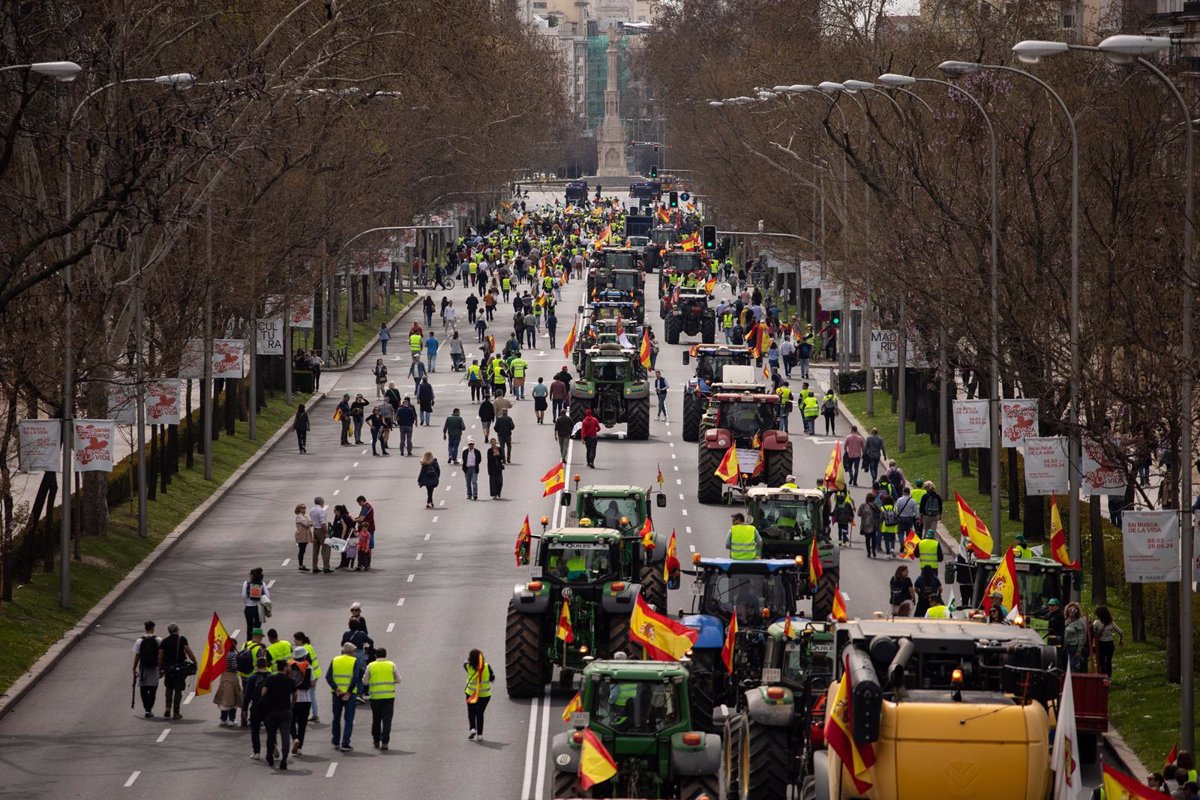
674 200
710 237
654 171
836 318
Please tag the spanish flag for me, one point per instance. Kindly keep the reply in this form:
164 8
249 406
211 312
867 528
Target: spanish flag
1058 540
569 344
565 631
909 548
1004 582
554 479
727 470
659 480
857 758
815 570
671 562
710 285
576 704
663 638
524 539
337 415
730 643
767 370
644 350
839 606
212 660
596 764
647 533
1119 786
835 470
787 628
664 215
491 343
691 242
979 538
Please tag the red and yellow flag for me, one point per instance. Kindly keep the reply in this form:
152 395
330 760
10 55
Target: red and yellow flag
596 764
564 630
976 533
787 627
1058 539
576 704
815 570
663 638
767 370
857 759
664 216
1004 582
727 470
835 470
730 643
839 606
659 480
647 534
524 539
644 350
480 677
710 285
671 562
212 660
909 548
1119 786
569 344
690 242
554 479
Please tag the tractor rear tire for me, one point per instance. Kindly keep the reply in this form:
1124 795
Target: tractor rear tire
702 690
708 331
691 416
701 787
822 601
638 419
654 588
578 409
672 329
779 466
769 759
736 757
708 485
524 660
565 783
618 636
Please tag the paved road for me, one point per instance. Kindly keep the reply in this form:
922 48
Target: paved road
439 586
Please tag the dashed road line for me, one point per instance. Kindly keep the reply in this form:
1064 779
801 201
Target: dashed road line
435 517
162 735
132 778
336 492
270 583
400 602
683 511
391 627
442 503
420 556
191 696
332 769
681 493
687 528
429 534
692 548
346 478
286 561
356 463
679 481
410 578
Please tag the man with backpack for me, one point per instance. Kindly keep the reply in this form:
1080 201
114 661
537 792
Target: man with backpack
889 524
247 658
906 512
829 407
175 669
843 515
145 668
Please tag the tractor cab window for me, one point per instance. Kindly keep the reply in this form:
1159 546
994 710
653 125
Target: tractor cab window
636 706
747 595
607 511
747 419
578 563
626 281
684 262
610 371
799 665
797 516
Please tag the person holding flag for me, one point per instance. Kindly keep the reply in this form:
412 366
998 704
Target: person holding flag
478 690
671 562
228 697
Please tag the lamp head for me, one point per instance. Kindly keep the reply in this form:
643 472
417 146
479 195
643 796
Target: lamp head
715 103
894 81
177 80
858 86
780 89
958 69
1126 48
800 88
61 71
830 87
1031 51
765 95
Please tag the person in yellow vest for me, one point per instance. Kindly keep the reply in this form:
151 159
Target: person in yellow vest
345 679
789 483
743 542
475 380
889 524
918 491
937 608
382 678
478 691
929 551
415 343
811 409
278 649
300 639
785 404
1022 549
255 647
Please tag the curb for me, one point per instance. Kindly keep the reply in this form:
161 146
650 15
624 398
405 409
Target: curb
366 348
24 684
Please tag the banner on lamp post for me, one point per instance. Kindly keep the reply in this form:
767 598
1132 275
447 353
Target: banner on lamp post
300 312
971 423
228 360
270 336
162 402
885 348
1151 546
1018 421
810 274
122 403
39 445
383 261
1100 475
191 360
1046 470
94 445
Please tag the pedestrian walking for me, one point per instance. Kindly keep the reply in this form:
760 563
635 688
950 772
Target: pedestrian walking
478 690
458 354
901 589
432 345
589 433
254 594
1104 631
380 372
452 431
145 668
505 426
425 401
228 697
318 515
889 523
176 663
342 415
300 425
874 451
495 470
471 458
417 371
829 408
560 393
428 477
810 410
301 640
406 419
278 695
449 317
303 675
385 336
253 697
539 392
563 426
930 507
357 615
382 677
906 511
303 535
357 416
660 391
427 308
345 679
315 363
487 415
852 450
342 528
363 548
843 514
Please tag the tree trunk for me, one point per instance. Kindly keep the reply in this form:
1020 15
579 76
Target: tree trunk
964 460
190 435
50 535
985 472
152 465
1137 613
1099 578
231 404
1014 487
215 398
1035 519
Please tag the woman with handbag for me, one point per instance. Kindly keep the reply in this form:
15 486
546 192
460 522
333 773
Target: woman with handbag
429 476
303 534
381 376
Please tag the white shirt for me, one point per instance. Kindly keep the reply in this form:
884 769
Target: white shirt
319 517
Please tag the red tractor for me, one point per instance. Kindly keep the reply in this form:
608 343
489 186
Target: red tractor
750 424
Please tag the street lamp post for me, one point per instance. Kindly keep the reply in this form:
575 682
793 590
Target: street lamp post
61 71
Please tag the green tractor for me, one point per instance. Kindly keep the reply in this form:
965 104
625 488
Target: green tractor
625 509
788 520
749 423
1038 580
712 363
640 712
612 383
691 315
579 568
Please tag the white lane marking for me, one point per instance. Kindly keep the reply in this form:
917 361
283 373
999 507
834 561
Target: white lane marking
442 503
391 627
684 510
692 548
286 561
429 534
672 444
846 597
435 518
681 493
679 481
676 466
687 528
674 456
410 578
336 492
346 478
364 452
400 602
191 696
529 744
132 778
356 463
162 735
270 583
447 488
542 755
420 556
332 769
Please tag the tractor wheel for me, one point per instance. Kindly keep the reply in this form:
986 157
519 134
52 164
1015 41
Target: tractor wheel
769 759
736 757
708 330
637 417
578 409
691 417
618 636
822 602
702 787
524 660
708 485
779 466
654 588
564 784
672 328
702 690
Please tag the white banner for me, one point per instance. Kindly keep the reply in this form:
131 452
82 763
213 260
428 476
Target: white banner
228 361
122 403
1046 465
300 312
162 402
1018 421
383 262
361 264
270 337
885 348
1100 476
971 423
1151 544
810 274
191 361
38 448
94 445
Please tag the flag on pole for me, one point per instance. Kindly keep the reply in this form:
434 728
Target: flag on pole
839 606
660 479
835 471
212 660
644 350
596 764
564 630
524 539
1171 756
710 285
857 759
671 562
1119 786
554 479
909 548
569 344
663 638
1058 540
664 216
647 533
727 470
767 370
815 570
576 704
976 533
1066 755
730 643
1005 583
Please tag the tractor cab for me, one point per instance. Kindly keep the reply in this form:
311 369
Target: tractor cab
787 519
745 415
757 591
711 360
580 558
1038 580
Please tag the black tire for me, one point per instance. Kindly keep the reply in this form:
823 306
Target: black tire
691 416
708 787
736 758
769 761
708 485
654 588
578 409
672 329
822 602
702 690
524 659
708 330
779 465
637 414
618 636
565 784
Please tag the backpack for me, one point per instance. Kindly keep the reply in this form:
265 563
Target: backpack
245 660
148 651
889 516
254 590
830 404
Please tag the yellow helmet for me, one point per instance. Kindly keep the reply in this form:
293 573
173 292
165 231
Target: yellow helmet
585 522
